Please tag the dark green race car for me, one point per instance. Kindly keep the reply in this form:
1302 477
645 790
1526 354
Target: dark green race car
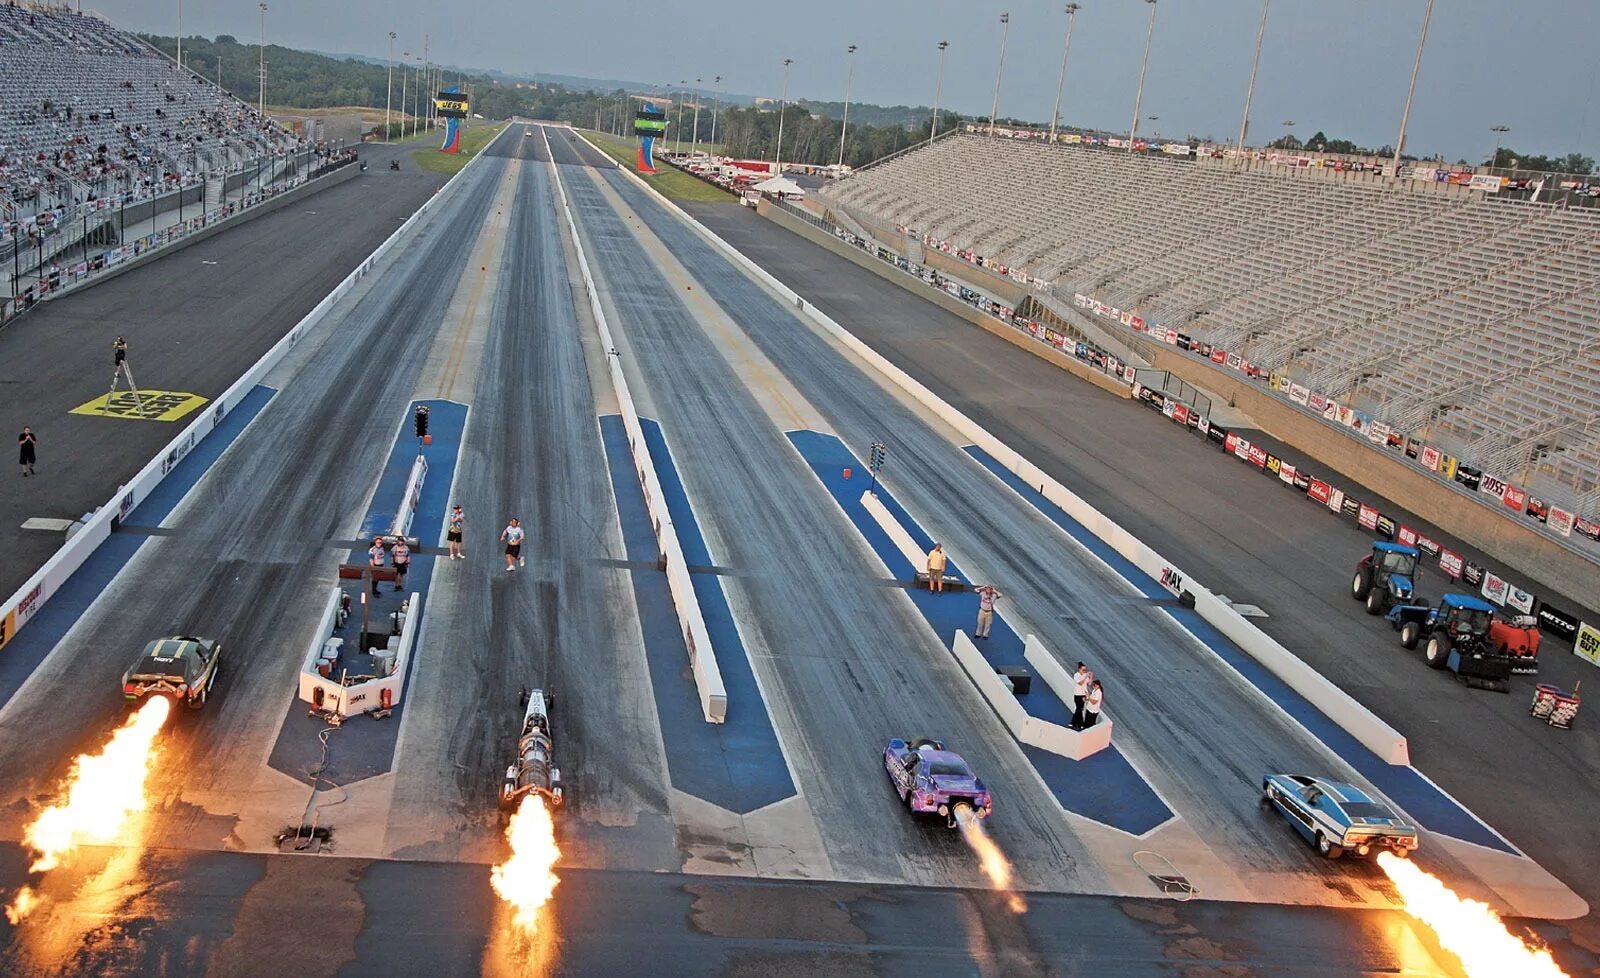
183 667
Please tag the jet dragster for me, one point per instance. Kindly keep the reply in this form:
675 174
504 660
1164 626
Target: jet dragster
533 771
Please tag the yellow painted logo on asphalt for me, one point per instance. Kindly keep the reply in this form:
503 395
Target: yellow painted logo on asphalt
145 406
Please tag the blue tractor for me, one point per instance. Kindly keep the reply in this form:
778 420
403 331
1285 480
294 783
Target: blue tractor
1386 577
1457 639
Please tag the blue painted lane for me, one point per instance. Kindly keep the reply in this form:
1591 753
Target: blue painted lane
1436 811
1104 787
737 765
35 640
364 748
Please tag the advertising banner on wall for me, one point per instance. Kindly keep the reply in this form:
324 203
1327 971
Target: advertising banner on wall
1451 564
1405 536
1520 600
1560 521
1319 491
1368 518
1471 573
1428 545
1557 622
1385 527
1588 643
1494 587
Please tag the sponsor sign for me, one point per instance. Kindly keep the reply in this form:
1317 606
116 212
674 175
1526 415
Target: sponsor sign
1347 506
1368 517
1258 457
1319 490
1471 573
1429 457
1219 435
1428 545
1167 407
1560 521
1172 580
1378 432
1274 464
1519 599
1180 413
1557 622
1468 478
1317 403
1514 498
1491 485
1451 564
1234 361
1230 443
1287 473
1219 356
178 453
1302 479
1406 536
1486 182
1538 508
1299 394
1202 423
1385 527
1494 587
1588 643
141 406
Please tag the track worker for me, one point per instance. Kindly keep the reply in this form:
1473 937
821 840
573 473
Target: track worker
1081 681
1091 706
375 556
25 450
513 535
988 594
453 532
401 556
936 563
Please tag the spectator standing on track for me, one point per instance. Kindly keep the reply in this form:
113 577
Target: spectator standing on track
453 533
513 535
375 560
401 556
25 444
936 564
1091 706
1081 681
988 594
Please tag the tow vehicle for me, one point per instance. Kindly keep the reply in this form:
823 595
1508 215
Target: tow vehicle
533 770
183 667
1457 633
1338 818
1386 577
931 779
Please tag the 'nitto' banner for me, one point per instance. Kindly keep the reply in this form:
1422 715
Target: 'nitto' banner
1558 622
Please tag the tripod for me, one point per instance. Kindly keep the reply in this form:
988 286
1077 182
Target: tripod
124 372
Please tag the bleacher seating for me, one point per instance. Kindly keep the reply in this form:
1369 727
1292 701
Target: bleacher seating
89 112
1468 320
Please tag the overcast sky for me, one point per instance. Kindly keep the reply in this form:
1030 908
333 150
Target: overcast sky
1336 65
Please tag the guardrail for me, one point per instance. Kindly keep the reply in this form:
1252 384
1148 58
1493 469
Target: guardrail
49 578
1377 735
702 656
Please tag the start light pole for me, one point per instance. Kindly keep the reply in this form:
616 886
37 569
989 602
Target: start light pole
875 459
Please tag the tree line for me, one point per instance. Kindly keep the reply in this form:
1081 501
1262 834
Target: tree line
1505 158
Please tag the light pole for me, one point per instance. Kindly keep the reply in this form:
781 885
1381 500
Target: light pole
388 92
180 33
849 77
938 89
261 98
1138 95
1005 32
1061 80
694 141
416 125
1499 134
677 135
1250 91
405 80
716 103
783 103
1405 116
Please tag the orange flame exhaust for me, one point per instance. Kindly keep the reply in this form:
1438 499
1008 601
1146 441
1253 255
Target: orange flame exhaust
1467 928
994 863
102 792
525 880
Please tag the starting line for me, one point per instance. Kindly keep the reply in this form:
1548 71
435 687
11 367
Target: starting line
147 406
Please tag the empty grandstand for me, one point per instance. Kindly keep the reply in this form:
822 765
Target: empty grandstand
1434 310
92 116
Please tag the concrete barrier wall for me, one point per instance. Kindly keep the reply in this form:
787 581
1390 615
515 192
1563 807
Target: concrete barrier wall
48 579
899 535
990 686
408 499
1360 722
1519 546
702 656
945 300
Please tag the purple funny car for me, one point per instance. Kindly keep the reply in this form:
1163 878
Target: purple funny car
930 779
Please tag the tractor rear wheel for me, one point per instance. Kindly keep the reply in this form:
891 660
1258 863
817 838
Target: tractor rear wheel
1375 602
1360 585
1410 632
1437 653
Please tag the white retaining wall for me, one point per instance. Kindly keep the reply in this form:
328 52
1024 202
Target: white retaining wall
702 657
410 498
61 565
1361 723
